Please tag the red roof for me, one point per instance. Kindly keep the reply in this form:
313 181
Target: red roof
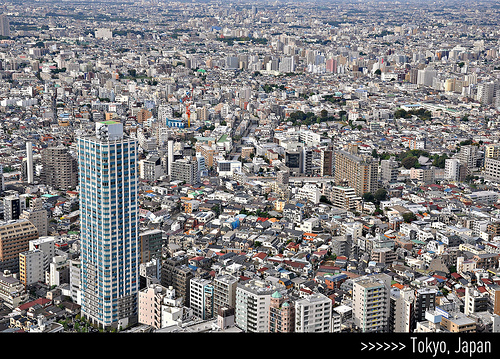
42 301
260 255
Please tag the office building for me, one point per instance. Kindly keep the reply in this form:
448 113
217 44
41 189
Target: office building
228 168
459 323
109 226
307 158
59 168
358 172
293 160
313 314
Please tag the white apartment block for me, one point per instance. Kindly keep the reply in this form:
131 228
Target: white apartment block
313 314
58 272
402 310
309 192
31 267
252 305
74 281
201 298
310 138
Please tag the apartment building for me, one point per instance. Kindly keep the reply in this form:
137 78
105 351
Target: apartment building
313 314
37 215
401 317
253 299
201 298
12 290
185 171
31 268
107 170
358 172
150 300
14 239
175 273
150 244
371 303
281 314
425 299
344 197
225 291
59 168
327 158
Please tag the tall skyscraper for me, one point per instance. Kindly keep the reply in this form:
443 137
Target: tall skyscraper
29 157
4 26
109 226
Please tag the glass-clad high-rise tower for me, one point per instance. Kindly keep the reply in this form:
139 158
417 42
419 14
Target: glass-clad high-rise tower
108 226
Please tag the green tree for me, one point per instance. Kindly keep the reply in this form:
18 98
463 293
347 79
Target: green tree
380 194
368 197
439 161
324 199
409 217
409 162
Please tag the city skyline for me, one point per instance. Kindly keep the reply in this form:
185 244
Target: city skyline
317 167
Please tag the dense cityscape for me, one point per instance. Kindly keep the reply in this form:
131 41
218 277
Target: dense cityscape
250 167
